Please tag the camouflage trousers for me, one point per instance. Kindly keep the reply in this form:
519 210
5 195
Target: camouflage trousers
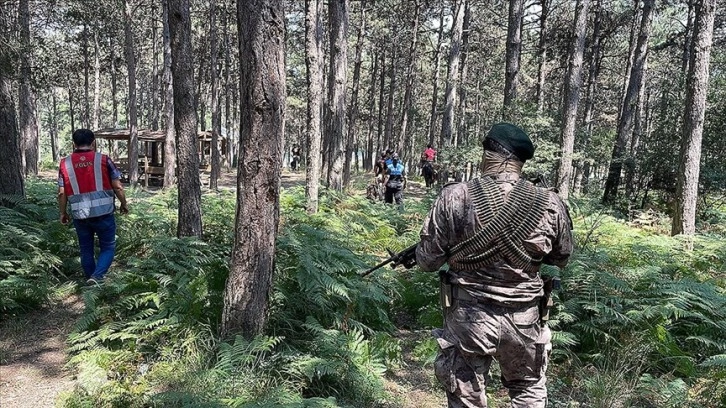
473 335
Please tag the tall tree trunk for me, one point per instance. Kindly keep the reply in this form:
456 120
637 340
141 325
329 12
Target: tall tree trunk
513 56
133 146
592 78
86 81
631 160
227 88
262 92
154 71
54 126
381 97
388 132
71 110
625 124
460 134
185 120
352 145
27 120
96 82
435 79
684 216
214 74
372 155
314 63
632 45
170 136
337 83
114 88
572 98
452 74
406 110
11 164
542 53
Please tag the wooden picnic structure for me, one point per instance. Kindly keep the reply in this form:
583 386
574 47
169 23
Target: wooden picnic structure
151 151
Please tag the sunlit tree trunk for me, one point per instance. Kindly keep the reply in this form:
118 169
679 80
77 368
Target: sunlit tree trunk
513 56
133 147
372 149
214 75
11 166
27 120
155 71
593 74
461 132
406 110
684 216
352 144
572 99
261 27
337 83
86 82
185 120
54 126
452 75
96 82
170 136
542 53
388 130
431 131
625 124
314 63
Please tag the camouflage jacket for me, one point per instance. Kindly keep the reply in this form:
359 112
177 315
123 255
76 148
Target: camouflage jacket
452 219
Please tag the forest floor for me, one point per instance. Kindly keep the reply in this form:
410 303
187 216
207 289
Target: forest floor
33 353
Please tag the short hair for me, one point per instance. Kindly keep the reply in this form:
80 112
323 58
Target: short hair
430 145
83 137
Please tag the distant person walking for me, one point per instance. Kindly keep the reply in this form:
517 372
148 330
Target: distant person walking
395 181
89 181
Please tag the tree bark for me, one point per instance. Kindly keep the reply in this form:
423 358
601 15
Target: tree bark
314 63
388 130
406 109
513 56
86 82
592 78
631 161
684 216
352 145
54 126
216 116
170 136
542 53
11 165
133 147
96 82
572 98
261 27
185 120
27 120
337 83
154 71
435 78
625 124
452 75
372 155
461 133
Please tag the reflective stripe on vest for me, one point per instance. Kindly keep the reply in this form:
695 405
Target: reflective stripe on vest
395 170
93 203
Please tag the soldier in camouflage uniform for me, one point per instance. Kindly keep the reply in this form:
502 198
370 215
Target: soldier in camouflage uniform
495 231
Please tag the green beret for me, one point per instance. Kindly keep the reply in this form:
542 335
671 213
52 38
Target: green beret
512 138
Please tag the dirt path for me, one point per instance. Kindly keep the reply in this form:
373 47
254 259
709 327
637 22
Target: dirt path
32 355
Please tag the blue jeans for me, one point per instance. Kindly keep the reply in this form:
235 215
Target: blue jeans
105 228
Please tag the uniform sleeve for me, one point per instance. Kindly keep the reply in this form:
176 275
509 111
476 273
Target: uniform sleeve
113 171
436 232
562 244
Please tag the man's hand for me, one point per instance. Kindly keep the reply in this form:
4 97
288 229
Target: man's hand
124 209
64 219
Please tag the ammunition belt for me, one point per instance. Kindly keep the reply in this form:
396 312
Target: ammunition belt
505 225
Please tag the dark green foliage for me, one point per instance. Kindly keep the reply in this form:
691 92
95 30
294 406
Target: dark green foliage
35 248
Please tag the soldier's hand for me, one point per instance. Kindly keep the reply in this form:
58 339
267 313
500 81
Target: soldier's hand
124 209
64 219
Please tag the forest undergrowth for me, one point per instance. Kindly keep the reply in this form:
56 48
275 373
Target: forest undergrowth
640 320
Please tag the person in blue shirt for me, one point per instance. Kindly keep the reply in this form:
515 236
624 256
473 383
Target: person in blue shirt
395 181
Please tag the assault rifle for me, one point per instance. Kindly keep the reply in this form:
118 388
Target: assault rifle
407 258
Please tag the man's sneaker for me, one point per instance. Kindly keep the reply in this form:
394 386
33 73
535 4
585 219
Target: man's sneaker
93 281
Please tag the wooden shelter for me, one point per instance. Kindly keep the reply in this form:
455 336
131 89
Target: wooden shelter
151 150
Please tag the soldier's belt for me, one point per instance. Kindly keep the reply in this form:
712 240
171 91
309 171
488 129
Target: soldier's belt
463 296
